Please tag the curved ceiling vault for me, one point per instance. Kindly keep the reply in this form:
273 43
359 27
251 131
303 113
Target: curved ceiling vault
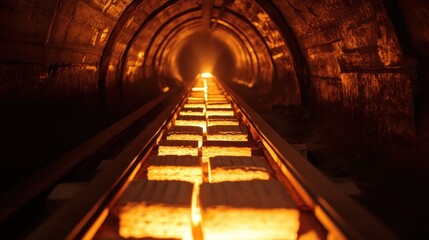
342 55
157 41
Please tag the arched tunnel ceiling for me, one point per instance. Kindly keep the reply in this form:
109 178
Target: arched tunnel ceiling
335 53
265 57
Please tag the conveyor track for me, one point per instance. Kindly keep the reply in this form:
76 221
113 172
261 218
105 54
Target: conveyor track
211 168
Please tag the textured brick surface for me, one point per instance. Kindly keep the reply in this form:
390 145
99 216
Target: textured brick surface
355 60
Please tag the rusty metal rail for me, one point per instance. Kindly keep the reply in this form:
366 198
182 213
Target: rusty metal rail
24 192
77 216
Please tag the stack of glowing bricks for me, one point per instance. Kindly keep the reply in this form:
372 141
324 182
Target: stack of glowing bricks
204 182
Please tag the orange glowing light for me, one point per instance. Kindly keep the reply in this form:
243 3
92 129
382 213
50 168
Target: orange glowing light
179 148
166 89
193 112
223 148
175 168
148 210
199 121
188 133
223 122
206 75
219 112
228 168
215 105
215 98
186 137
227 133
259 210
195 206
194 105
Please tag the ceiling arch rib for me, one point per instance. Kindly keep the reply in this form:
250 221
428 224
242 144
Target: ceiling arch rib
144 41
156 65
229 37
251 71
268 68
274 64
284 70
230 25
192 16
294 47
135 47
135 15
250 48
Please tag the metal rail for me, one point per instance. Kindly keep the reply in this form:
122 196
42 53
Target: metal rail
24 192
339 214
72 220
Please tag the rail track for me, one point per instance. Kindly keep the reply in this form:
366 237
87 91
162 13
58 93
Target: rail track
208 167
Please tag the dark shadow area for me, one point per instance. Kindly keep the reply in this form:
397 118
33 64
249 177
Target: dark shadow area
36 131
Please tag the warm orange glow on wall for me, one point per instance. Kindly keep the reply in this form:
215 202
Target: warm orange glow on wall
156 209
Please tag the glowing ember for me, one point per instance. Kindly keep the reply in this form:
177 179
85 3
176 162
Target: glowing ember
197 94
238 169
227 133
222 148
248 210
199 89
214 91
156 209
192 112
199 121
211 98
206 75
189 133
215 105
194 105
179 148
219 112
175 168
196 100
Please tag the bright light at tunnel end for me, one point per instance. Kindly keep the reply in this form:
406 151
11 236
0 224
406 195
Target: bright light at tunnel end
206 75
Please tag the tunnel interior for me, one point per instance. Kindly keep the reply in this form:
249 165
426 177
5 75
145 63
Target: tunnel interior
204 53
346 79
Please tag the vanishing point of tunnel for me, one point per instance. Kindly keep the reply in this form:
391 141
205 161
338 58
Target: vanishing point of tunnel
343 81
